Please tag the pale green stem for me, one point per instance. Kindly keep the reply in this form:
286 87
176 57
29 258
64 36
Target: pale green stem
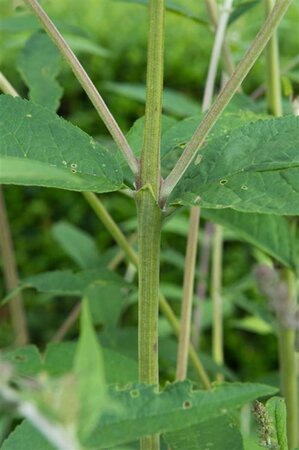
113 228
6 87
150 155
224 97
192 241
188 288
11 277
216 283
148 211
132 256
86 84
17 313
288 368
273 70
218 43
212 8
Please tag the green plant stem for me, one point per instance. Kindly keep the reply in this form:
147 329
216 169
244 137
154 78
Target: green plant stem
149 236
212 9
218 44
203 271
113 228
148 211
188 287
150 155
6 87
86 84
288 366
11 277
216 283
273 70
123 243
192 241
17 313
224 97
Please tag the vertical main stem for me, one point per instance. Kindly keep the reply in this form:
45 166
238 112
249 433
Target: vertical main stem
149 233
150 156
149 223
148 211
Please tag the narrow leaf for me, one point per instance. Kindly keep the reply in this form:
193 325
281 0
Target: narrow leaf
89 371
253 169
174 102
38 148
80 246
270 233
277 412
39 65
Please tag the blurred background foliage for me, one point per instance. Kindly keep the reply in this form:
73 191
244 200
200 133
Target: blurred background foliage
109 37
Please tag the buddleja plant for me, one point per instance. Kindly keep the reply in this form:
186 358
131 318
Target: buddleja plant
252 168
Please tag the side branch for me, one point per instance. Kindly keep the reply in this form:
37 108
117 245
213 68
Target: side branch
86 84
224 97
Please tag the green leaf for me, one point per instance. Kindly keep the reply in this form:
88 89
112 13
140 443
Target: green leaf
175 8
39 65
59 360
38 148
144 411
106 303
253 169
67 283
26 437
174 102
89 371
82 44
277 412
26 360
241 9
175 138
272 234
77 244
218 433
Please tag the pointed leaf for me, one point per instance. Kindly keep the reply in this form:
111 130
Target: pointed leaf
89 371
65 282
39 65
270 233
277 412
174 102
38 148
253 169
144 411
